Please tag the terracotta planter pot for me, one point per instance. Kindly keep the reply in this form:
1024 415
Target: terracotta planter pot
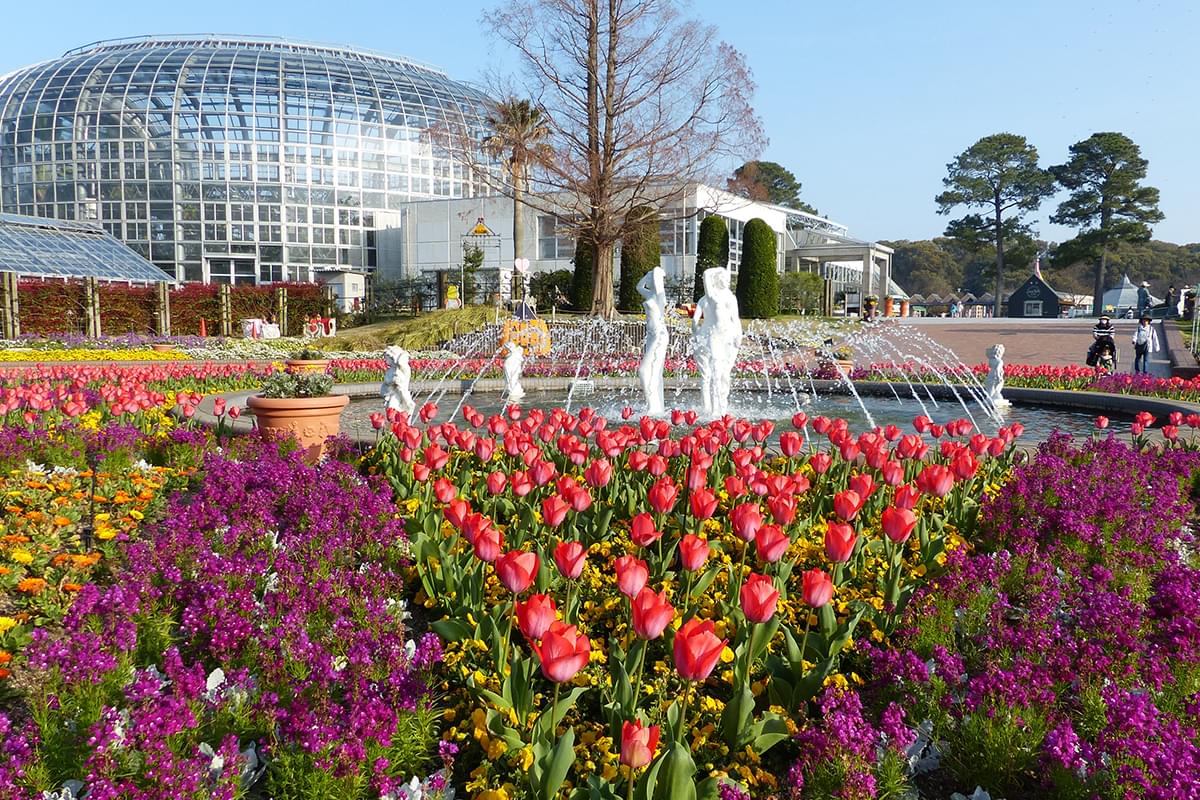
306 365
310 420
162 348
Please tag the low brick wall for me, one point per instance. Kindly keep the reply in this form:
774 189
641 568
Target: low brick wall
1183 363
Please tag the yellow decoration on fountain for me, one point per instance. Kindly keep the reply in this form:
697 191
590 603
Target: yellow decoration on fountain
532 335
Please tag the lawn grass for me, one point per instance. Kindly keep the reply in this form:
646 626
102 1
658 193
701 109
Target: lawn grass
424 332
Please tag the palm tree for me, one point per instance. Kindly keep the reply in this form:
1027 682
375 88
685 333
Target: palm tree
518 130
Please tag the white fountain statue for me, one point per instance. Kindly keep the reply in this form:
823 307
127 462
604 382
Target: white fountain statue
654 351
993 388
716 337
514 362
394 390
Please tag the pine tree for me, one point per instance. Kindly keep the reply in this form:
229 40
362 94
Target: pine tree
640 253
712 250
758 280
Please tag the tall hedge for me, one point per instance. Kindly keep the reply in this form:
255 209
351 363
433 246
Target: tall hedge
712 250
640 253
581 278
758 282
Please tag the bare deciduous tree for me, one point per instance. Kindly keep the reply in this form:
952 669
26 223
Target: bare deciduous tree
639 101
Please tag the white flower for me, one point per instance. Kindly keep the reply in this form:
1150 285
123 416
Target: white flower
70 791
34 468
142 465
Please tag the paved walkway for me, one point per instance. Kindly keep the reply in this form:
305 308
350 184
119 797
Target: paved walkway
1058 342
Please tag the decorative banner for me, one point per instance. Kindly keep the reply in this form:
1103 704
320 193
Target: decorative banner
521 265
533 335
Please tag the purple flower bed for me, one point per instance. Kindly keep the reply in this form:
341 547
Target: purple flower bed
255 637
1060 658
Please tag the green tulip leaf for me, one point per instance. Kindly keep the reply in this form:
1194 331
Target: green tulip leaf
556 765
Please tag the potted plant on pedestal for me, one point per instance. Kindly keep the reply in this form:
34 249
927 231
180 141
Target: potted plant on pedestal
308 360
833 362
300 404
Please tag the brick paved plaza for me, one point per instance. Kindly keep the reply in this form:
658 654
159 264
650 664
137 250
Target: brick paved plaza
1057 342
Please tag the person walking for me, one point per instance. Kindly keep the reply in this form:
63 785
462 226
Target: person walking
1143 298
1145 342
1172 300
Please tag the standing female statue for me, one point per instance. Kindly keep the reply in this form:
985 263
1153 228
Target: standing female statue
716 337
395 389
654 351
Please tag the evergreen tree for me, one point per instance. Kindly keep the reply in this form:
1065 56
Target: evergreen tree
999 173
712 250
581 278
758 280
640 253
1108 202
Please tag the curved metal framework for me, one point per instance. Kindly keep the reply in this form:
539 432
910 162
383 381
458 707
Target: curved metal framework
232 158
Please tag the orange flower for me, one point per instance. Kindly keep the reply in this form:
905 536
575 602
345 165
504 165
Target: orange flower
72 587
5 656
62 521
60 559
4 674
31 585
3 570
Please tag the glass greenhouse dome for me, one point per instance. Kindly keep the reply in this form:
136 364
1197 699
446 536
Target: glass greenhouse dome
232 159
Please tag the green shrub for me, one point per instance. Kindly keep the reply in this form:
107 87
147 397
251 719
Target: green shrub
550 288
640 253
712 250
758 281
288 385
581 278
801 292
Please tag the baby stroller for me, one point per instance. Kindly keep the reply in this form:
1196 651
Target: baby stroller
1103 354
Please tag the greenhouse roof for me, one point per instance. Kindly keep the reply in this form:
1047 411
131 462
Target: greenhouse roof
47 248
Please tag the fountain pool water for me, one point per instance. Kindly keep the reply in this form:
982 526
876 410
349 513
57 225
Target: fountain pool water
1039 421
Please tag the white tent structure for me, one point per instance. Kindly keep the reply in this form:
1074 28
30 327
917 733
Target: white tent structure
1124 296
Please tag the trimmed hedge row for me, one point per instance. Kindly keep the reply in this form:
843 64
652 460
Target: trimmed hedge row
57 307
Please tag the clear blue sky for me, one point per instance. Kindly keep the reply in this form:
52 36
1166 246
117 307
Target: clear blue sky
865 101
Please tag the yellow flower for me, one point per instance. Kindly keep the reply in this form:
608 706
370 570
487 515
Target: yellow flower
21 556
492 794
7 624
137 515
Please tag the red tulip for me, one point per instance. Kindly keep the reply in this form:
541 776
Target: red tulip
563 651
488 543
907 496
516 569
444 490
1136 429
569 558
771 543
662 495
817 589
642 530
846 504
893 473
759 598
840 539
638 743
598 473
535 615
378 420
783 508
554 510
235 412
693 552
790 443
496 482
912 447
922 423
697 649
821 462
632 574
456 512
579 498
735 486
651 613
965 465
863 484
703 503
936 480
822 425
799 420
746 519
898 523
1101 422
